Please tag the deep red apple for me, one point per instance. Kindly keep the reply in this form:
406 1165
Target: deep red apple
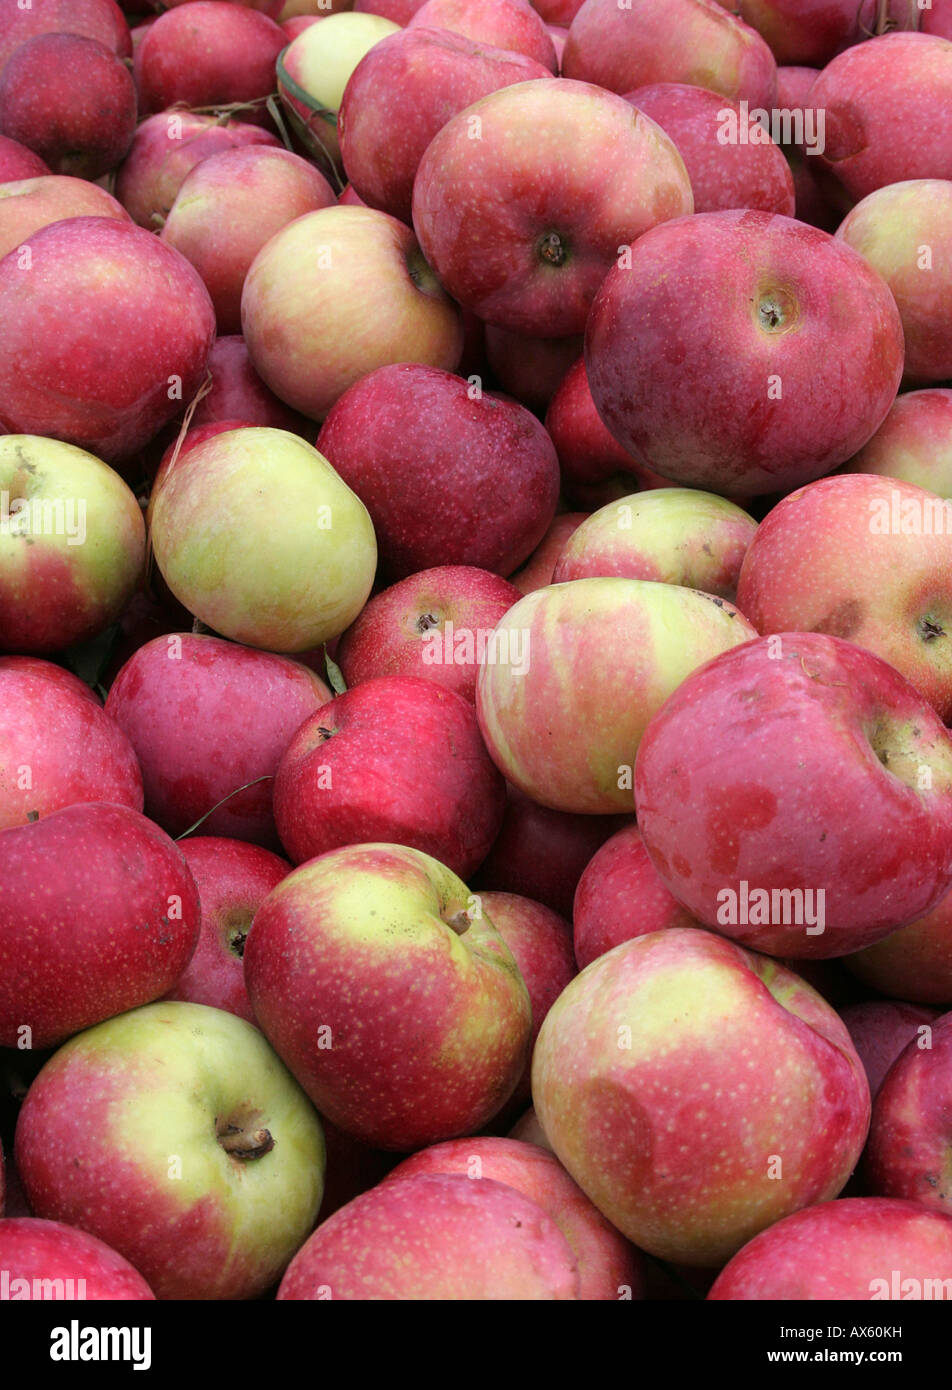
207 53
238 393
530 369
101 20
17 162
509 24
881 1029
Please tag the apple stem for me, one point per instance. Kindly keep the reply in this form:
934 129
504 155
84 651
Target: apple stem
243 1143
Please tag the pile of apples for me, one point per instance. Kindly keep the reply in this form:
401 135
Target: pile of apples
476 649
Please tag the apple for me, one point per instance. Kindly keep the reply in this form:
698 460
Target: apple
207 54
698 1093
544 240
205 718
49 1260
881 1029
392 998
509 24
530 369
400 11
886 583
436 1236
478 475
537 572
905 232
881 99
71 100
914 963
558 12
821 200
540 853
75 359
233 879
856 1249
28 204
608 1266
936 18
801 33
337 294
908 1151
263 507
430 624
620 895
176 1091
743 352
396 759
238 393
165 148
577 672
114 927
622 47
101 20
670 535
796 795
401 93
352 1168
72 540
914 442
176 452
529 1131
17 162
57 746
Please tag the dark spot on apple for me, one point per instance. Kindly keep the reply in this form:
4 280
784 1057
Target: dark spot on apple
929 629
843 620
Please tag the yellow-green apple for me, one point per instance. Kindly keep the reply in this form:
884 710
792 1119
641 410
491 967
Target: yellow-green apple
337 294
435 624
205 718
229 206
233 879
177 452
478 475
671 535
698 1093
509 24
914 963
72 539
436 1236
540 853
238 393
881 1029
743 352
313 72
905 232
857 1249
544 242
57 745
536 573
114 927
620 895
541 944
404 91
530 369
796 795
101 20
731 160
626 46
165 148
207 54
881 100
185 1112
70 100
396 759
908 1151
914 442
608 1266
50 1260
577 670
389 994
17 162
263 508
75 362
886 585
27 204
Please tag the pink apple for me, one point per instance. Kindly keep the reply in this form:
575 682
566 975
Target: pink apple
881 1029
207 54
17 162
392 998
57 745
114 927
743 352
400 11
545 241
192 707
430 624
27 204
914 963
49 1260
510 24
698 1093
796 795
396 759
620 896
886 585
536 573
914 442
479 479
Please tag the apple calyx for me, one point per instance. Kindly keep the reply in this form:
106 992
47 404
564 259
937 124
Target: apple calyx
552 249
241 1136
425 621
929 628
776 311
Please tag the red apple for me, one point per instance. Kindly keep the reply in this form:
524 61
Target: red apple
530 369
50 1260
914 442
238 393
537 572
17 162
881 1029
207 53
101 20
400 11
509 24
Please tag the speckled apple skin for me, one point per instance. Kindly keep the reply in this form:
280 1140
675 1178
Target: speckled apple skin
677 1073
31 1248
426 1031
914 442
98 914
881 1029
207 57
